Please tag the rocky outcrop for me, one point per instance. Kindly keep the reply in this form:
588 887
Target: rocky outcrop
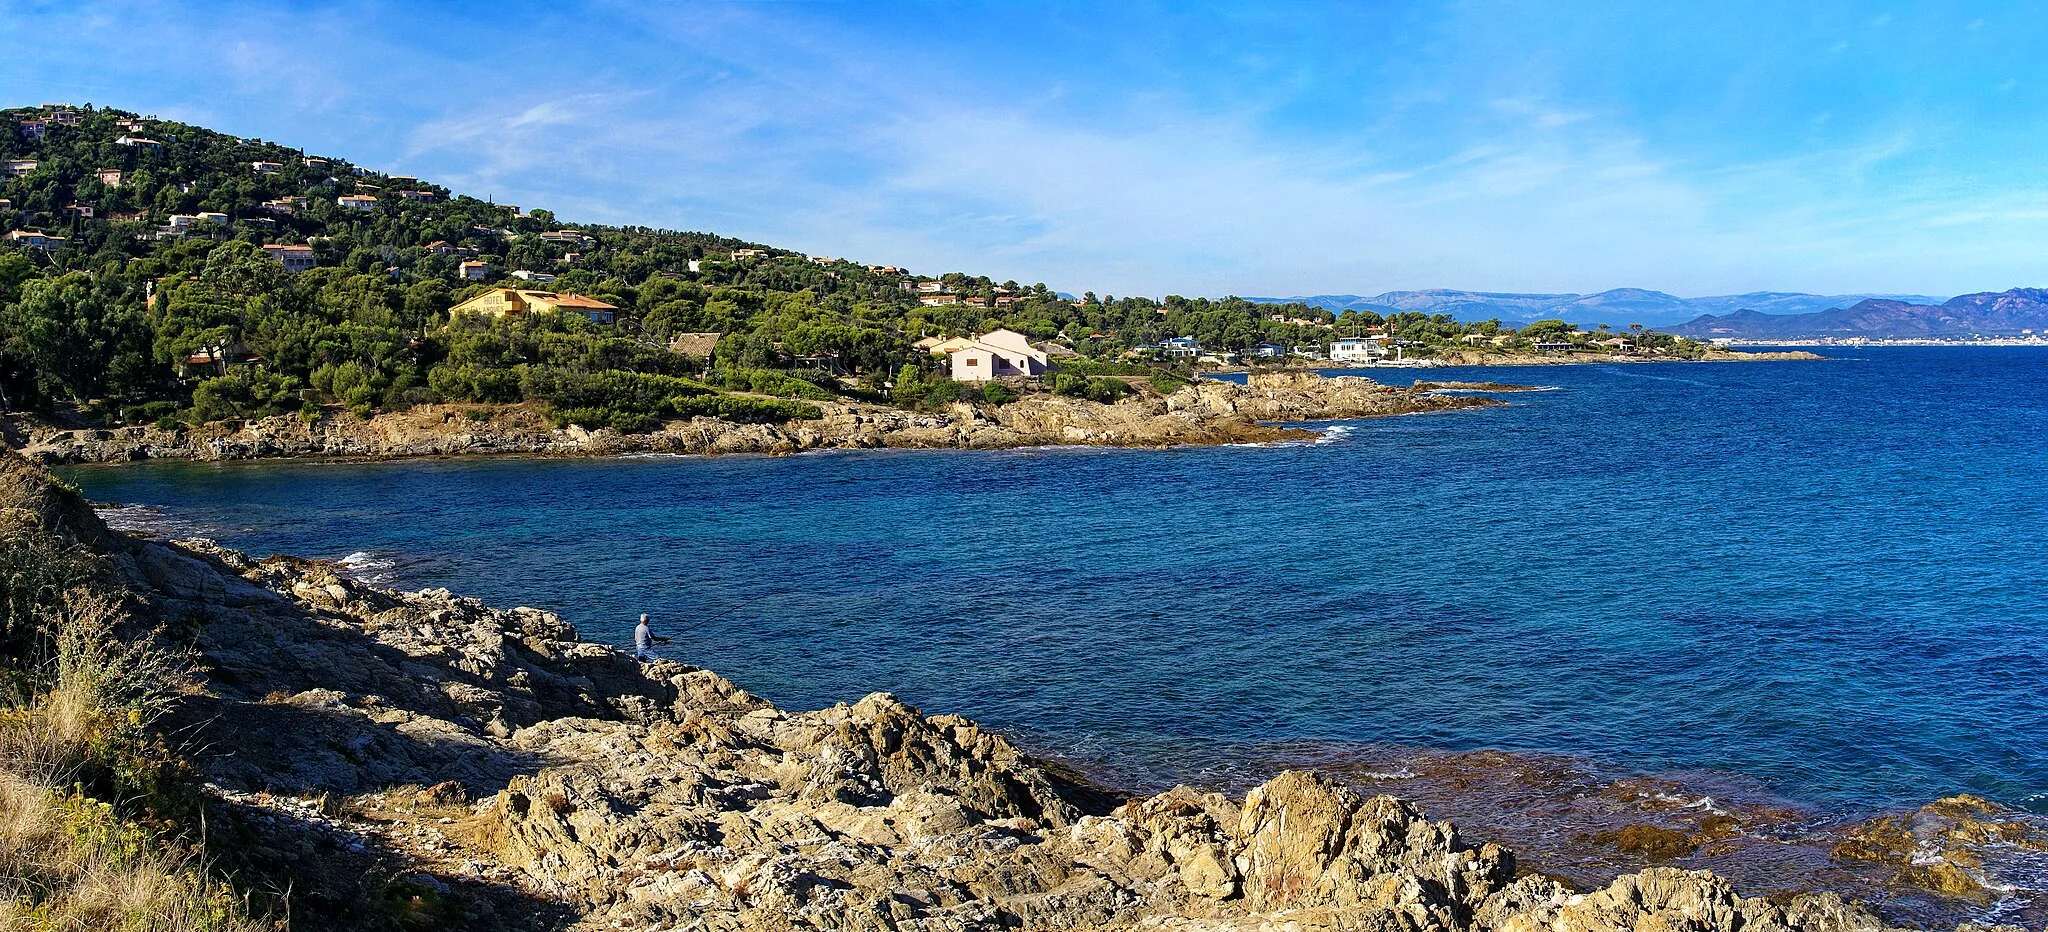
494 766
1207 412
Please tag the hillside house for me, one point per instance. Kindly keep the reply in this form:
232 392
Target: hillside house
474 270
1180 348
943 346
266 168
111 177
938 300
539 278
128 126
563 236
6 204
81 211
34 240
357 201
67 117
516 302
885 270
998 354
295 259
218 359
417 195
16 168
181 222
931 287
140 142
741 254
1269 351
694 345
34 130
284 205
1358 349
211 216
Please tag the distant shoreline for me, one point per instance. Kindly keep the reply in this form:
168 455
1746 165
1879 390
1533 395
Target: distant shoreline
1855 342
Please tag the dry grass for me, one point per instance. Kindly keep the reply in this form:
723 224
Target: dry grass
81 717
73 864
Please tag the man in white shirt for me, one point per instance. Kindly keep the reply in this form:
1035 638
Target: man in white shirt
644 640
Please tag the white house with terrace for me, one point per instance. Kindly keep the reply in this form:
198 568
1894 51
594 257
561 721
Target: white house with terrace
998 354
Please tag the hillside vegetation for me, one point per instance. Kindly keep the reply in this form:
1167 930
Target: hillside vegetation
136 248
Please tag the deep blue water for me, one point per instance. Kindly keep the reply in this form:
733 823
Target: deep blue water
1828 576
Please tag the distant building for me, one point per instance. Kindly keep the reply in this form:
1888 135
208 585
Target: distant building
938 300
217 359
998 354
1552 345
284 205
138 142
211 216
475 270
67 117
943 347
539 278
19 167
295 259
81 211
740 254
514 302
1180 348
35 240
931 287
1269 351
111 177
266 168
357 201
1357 349
695 345
34 130
563 236
418 195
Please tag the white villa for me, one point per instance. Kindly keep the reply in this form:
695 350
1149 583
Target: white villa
998 354
1357 349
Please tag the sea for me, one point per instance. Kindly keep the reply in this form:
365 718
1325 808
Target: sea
1807 587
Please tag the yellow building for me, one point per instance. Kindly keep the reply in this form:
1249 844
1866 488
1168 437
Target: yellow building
512 302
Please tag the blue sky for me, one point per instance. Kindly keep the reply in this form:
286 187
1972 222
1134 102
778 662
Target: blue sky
1135 148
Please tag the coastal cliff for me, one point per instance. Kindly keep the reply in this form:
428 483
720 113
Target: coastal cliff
1205 413
488 768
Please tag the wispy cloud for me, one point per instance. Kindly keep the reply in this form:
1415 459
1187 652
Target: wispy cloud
1146 151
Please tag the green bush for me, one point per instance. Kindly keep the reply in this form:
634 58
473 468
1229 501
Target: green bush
636 401
768 382
1104 390
996 393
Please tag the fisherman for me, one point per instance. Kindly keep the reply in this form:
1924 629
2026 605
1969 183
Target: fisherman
644 640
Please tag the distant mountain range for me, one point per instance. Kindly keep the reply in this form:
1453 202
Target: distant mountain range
2000 313
1619 307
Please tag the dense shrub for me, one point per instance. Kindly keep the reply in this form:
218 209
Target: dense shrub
769 382
1105 390
637 401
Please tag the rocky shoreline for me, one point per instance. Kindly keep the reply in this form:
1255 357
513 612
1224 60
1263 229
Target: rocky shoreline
1466 358
1205 413
511 775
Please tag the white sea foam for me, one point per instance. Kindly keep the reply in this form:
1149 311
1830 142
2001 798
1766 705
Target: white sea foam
373 568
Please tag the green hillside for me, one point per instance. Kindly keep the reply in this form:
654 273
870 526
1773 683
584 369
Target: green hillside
148 296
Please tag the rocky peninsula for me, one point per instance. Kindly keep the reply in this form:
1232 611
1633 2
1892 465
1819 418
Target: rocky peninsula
1207 412
488 768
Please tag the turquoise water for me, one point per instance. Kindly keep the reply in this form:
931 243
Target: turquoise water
1825 576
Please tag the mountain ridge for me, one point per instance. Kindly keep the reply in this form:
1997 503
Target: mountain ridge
1615 306
2012 312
